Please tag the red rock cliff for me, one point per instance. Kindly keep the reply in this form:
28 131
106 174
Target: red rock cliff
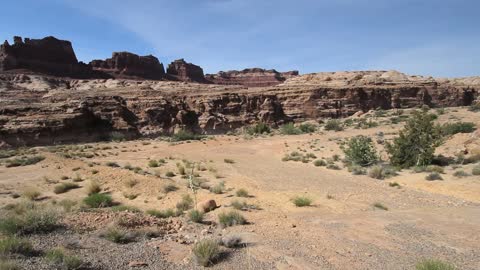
253 77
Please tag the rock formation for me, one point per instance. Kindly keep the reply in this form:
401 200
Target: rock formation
129 65
39 110
48 55
253 77
187 72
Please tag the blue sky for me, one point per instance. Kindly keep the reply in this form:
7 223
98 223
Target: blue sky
424 37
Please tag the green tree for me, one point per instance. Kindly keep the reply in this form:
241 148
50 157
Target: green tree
361 151
416 143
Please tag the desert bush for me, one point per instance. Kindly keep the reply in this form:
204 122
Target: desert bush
64 187
15 245
34 220
433 176
23 161
333 167
185 135
118 235
60 259
476 170
242 193
153 164
416 143
360 151
169 188
206 251
169 174
381 172
130 183
434 169
289 129
112 164
394 184
185 204
130 195
334 124
67 204
449 129
162 213
231 218
433 265
380 206
8 265
94 187
181 169
77 178
301 201
117 136
357 170
320 163
307 128
475 107
259 128
460 173
229 161
231 241
218 188
31 194
195 216
98 200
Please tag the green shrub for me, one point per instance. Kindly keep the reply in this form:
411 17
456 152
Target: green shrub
307 128
229 161
333 167
259 128
380 206
218 188
242 193
381 172
8 265
153 164
476 170
458 127
124 208
357 170
475 107
62 260
289 129
31 194
30 221
433 176
23 161
14 245
231 218
64 187
320 163
195 216
416 143
434 265
185 204
206 251
460 173
112 164
334 124
162 214
119 236
185 135
302 201
170 188
98 200
169 174
360 151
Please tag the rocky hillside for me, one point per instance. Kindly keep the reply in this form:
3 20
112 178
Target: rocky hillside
37 109
252 77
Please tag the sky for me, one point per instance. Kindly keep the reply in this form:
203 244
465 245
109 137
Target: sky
440 38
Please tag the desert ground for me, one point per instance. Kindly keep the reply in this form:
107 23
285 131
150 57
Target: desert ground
354 221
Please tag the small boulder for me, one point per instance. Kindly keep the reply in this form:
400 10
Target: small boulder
207 206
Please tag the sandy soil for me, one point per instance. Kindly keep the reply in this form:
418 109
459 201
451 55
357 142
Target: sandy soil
342 230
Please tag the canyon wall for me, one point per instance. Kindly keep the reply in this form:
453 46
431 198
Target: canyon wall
39 110
253 77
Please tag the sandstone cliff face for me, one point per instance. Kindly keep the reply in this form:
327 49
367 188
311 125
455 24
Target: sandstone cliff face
253 77
48 55
129 65
44 110
180 70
